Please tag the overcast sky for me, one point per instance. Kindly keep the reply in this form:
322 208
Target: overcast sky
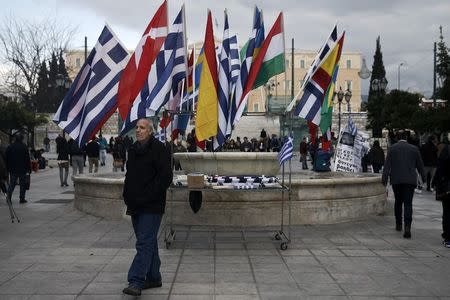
407 28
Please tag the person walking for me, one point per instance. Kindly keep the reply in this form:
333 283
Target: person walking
119 155
76 157
103 149
402 161
62 148
93 151
376 157
304 153
18 165
429 157
441 181
148 176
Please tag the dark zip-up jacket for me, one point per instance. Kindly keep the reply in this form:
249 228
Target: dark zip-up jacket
148 176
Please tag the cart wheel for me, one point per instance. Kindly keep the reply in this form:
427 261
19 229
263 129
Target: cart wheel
168 245
283 246
278 237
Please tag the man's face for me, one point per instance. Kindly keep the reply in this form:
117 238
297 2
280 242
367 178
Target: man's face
143 130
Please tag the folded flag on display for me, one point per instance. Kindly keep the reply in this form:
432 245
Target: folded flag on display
224 88
351 127
92 98
207 107
286 151
167 71
136 71
239 99
315 64
310 104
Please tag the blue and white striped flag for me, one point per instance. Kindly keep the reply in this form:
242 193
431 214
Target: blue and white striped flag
351 126
234 59
167 72
160 136
286 151
238 100
92 98
224 86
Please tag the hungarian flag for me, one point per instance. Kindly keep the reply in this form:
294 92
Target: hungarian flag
207 108
270 60
136 72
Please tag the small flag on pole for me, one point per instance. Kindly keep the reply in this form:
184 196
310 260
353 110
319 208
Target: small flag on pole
160 136
286 151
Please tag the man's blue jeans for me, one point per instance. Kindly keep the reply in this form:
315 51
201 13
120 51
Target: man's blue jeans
146 263
12 184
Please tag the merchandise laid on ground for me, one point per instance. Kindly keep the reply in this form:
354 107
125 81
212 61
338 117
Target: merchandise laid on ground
196 184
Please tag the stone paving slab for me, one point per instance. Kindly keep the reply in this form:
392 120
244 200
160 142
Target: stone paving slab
57 252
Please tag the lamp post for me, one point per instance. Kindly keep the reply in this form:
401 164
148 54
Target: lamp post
340 96
348 96
62 83
398 75
379 87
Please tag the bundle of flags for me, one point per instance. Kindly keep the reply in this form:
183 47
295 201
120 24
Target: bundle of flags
159 75
314 102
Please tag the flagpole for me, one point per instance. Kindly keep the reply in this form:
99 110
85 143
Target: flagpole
186 57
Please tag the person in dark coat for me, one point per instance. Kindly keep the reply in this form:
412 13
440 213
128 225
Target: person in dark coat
376 157
18 164
402 161
441 181
62 148
93 153
304 153
119 154
148 176
429 157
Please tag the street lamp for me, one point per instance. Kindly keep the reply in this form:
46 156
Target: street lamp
340 96
348 96
378 86
401 64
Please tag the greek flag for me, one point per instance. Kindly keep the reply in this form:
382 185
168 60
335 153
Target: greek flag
224 86
92 98
167 72
286 151
160 136
239 100
351 126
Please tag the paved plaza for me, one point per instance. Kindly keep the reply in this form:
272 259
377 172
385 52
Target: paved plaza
57 252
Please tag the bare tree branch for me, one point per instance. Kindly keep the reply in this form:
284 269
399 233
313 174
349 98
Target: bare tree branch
24 45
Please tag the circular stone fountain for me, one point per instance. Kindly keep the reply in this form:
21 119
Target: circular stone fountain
316 198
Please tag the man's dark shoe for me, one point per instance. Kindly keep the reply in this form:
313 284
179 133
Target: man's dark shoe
132 290
407 233
152 284
23 201
398 227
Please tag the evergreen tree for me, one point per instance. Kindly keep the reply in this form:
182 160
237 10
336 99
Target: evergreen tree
54 90
443 60
41 97
375 102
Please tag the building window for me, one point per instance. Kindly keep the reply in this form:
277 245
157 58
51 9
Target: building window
78 63
255 107
287 84
349 85
302 63
287 64
349 64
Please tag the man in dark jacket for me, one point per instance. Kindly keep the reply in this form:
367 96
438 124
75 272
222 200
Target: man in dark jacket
429 157
93 152
402 161
148 176
18 165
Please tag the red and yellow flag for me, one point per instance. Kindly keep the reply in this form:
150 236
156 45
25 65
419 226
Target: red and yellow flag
207 108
